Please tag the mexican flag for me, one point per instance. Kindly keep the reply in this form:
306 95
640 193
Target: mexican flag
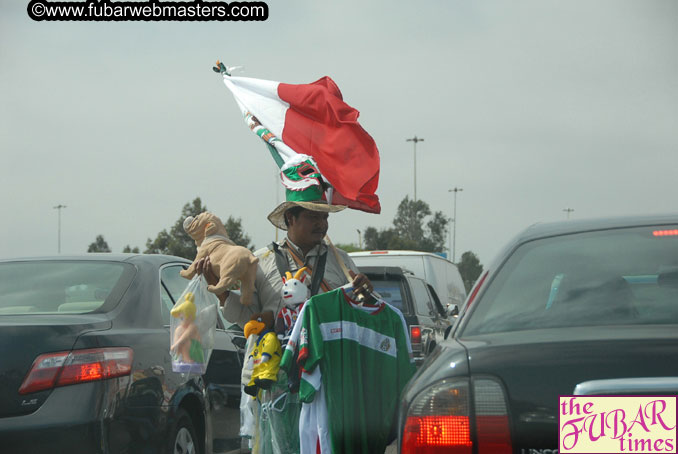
313 120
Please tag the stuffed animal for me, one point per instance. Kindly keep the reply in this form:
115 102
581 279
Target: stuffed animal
187 343
294 295
231 263
266 354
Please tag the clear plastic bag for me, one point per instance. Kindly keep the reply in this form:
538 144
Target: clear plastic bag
192 328
248 421
279 417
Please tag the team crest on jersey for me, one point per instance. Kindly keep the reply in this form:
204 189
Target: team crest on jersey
385 345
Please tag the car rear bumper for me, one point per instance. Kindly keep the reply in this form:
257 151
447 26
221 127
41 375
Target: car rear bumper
74 420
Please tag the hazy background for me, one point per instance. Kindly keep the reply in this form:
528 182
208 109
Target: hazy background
530 106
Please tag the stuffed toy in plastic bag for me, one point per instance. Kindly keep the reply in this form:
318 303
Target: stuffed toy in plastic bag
192 328
247 403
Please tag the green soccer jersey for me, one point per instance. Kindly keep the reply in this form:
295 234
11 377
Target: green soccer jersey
365 360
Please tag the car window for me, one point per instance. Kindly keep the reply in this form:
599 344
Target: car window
173 285
621 276
422 299
173 281
392 291
166 305
59 287
436 301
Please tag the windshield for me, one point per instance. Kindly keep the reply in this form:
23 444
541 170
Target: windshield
47 287
392 291
621 276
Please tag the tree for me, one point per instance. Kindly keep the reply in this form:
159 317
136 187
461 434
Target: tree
348 247
127 249
378 239
469 268
236 234
178 242
99 245
408 231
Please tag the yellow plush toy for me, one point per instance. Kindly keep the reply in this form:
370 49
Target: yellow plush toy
230 262
266 354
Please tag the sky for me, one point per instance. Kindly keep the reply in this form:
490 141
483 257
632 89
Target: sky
530 106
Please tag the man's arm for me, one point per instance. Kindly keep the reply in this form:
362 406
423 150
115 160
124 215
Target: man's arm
361 283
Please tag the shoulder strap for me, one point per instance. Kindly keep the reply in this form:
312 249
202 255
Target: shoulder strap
280 261
317 272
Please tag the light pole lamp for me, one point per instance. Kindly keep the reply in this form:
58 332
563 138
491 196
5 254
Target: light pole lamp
59 208
454 220
415 139
568 211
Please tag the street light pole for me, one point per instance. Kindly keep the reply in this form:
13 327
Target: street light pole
568 211
360 239
454 227
415 139
59 207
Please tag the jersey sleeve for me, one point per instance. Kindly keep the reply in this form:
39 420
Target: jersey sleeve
309 385
310 338
292 342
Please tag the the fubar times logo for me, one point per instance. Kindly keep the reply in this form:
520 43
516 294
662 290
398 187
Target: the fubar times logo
617 424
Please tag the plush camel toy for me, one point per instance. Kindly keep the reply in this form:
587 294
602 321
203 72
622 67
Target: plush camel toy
266 354
230 262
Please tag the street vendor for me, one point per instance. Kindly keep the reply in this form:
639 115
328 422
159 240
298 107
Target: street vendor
304 215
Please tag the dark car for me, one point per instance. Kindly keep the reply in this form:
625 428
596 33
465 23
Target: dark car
587 307
85 365
426 318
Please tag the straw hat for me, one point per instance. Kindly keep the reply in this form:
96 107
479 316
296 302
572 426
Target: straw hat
310 199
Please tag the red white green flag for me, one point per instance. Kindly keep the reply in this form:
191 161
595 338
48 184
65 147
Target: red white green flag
312 120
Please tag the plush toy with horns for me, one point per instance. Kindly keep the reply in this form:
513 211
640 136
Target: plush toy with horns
294 295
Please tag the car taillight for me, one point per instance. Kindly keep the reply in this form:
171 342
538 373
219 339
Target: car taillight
67 368
492 424
672 232
378 252
476 288
439 419
415 334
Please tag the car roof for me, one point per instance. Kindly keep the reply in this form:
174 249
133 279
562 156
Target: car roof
156 259
395 270
393 252
541 230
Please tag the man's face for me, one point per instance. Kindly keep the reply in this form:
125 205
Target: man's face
307 229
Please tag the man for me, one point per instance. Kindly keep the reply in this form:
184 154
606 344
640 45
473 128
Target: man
306 223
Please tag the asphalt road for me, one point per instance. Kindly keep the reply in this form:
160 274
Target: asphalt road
229 442
391 449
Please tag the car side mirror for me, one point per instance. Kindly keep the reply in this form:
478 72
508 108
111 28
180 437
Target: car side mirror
239 341
452 310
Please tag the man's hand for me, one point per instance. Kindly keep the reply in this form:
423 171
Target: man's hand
204 267
361 284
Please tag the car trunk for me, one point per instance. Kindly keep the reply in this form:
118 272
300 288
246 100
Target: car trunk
538 366
22 339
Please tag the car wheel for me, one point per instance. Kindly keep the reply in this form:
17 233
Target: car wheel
183 439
